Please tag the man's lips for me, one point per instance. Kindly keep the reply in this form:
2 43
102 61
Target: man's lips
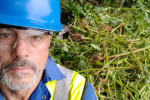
21 69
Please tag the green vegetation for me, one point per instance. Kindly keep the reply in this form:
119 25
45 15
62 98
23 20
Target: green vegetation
109 44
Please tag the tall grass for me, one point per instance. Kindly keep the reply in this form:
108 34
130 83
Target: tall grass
109 44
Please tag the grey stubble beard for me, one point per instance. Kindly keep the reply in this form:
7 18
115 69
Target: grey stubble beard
19 85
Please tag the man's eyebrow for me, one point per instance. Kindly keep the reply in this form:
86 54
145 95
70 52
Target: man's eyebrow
7 29
36 32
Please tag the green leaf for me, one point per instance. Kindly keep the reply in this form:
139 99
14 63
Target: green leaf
82 63
90 78
142 45
99 63
97 8
65 48
95 47
81 1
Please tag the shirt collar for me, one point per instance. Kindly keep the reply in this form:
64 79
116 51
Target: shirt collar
52 71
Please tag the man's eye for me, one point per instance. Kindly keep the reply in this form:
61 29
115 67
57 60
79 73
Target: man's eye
5 35
36 37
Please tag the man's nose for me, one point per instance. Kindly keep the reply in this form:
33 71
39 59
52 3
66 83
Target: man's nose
20 48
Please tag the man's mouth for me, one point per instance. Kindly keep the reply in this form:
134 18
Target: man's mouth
21 69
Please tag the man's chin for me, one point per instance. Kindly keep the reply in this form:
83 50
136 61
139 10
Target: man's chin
19 85
22 76
19 82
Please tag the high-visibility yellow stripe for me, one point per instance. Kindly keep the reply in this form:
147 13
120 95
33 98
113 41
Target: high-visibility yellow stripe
75 89
76 86
51 87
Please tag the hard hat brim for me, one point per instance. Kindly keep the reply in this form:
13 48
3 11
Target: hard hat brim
30 23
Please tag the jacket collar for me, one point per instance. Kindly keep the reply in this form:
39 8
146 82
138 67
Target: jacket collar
51 71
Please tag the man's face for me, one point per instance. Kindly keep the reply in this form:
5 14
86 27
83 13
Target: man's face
23 56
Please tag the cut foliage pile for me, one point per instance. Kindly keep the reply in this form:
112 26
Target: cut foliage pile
108 43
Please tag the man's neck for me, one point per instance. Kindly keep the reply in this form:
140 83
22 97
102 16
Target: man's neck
18 94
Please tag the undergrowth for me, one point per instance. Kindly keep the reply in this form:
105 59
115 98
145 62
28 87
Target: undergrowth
109 44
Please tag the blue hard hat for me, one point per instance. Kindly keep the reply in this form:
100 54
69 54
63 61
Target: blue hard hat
40 14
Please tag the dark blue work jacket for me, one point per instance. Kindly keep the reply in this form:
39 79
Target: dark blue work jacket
52 72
